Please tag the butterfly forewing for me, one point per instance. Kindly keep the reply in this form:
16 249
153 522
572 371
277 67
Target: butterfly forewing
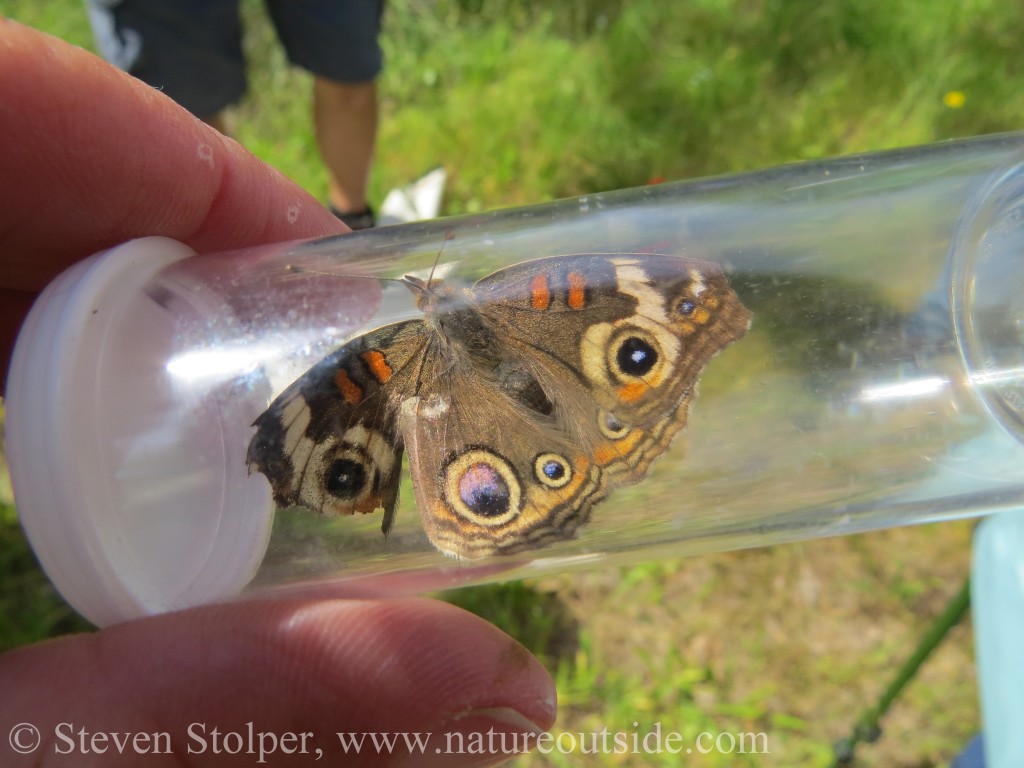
623 338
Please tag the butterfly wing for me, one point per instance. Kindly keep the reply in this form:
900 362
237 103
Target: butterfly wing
518 411
616 342
330 442
491 475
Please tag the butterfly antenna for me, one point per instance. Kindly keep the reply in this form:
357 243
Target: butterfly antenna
295 269
437 259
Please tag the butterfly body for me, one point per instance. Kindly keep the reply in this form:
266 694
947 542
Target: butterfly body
520 400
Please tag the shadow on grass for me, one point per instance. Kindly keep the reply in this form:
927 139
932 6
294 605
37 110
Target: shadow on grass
539 620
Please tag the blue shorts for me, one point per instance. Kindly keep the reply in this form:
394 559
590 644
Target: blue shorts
192 49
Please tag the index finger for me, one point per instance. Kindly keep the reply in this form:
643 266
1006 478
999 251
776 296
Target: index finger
93 157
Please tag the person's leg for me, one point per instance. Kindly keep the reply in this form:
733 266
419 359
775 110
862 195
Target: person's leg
189 49
337 41
346 130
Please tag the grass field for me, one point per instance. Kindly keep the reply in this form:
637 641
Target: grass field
524 101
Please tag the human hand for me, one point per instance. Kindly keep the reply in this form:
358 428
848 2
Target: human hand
92 158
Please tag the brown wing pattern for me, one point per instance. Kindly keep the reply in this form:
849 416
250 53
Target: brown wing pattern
330 441
564 376
622 339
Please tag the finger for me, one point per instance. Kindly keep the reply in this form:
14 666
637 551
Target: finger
354 667
93 157
14 305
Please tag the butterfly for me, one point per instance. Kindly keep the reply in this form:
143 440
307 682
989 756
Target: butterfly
521 400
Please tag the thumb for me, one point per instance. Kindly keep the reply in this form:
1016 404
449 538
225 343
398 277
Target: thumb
193 687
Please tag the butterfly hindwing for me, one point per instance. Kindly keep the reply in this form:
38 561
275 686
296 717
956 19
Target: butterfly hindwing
491 475
330 441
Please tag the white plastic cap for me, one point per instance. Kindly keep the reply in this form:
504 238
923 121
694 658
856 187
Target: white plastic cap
133 493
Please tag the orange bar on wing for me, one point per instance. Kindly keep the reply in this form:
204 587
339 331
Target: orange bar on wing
630 393
576 284
540 293
606 453
619 450
350 391
377 364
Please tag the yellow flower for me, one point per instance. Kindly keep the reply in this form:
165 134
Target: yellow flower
954 99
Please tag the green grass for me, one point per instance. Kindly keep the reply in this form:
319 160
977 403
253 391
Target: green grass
524 101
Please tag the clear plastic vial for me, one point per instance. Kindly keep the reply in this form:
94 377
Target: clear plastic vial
881 382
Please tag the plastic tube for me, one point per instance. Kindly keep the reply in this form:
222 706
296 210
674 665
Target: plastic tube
881 382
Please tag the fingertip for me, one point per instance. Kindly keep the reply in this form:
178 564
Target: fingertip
456 661
322 667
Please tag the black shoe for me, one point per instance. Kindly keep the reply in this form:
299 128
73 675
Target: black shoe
356 220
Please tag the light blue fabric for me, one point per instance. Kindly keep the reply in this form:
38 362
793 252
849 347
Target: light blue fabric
997 600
